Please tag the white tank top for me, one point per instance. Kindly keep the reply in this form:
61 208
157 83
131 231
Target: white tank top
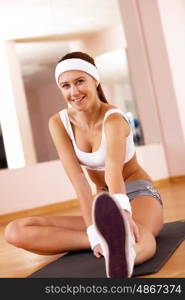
96 160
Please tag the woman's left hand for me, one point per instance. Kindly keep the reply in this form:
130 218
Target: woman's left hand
97 250
134 229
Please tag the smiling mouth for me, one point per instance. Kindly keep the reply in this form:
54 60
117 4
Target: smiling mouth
78 100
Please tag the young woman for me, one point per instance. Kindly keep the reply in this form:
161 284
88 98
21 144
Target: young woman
127 214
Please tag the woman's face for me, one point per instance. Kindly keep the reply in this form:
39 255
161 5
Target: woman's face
78 89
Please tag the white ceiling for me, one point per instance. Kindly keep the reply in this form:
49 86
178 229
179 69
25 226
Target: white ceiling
43 29
25 18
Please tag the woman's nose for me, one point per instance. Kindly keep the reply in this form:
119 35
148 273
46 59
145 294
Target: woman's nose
74 90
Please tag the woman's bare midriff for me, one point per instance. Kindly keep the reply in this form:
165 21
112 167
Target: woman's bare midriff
131 171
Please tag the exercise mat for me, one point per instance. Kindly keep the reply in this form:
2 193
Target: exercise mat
83 264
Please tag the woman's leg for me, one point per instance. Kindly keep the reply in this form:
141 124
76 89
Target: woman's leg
147 212
48 235
55 234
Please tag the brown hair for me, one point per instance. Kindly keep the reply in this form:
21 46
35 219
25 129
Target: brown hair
89 59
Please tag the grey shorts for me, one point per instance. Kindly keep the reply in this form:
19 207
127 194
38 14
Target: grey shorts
138 188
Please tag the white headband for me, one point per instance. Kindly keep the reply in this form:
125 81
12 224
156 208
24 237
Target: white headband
76 64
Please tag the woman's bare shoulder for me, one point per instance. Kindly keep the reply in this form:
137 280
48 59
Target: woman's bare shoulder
56 122
54 119
116 120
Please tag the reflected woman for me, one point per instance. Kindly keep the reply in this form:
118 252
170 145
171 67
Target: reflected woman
122 220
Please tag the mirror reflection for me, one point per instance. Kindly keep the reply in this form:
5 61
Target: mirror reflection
37 59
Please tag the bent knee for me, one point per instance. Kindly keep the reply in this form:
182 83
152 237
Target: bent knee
153 226
15 231
146 247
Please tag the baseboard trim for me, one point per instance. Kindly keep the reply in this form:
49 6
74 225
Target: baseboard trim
70 204
41 210
162 182
170 180
177 178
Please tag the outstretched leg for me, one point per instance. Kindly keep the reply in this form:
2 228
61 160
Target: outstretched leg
119 249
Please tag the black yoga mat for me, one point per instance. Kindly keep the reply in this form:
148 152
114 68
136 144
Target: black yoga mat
83 264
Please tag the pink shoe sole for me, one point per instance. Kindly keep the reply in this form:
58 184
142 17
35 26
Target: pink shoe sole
110 224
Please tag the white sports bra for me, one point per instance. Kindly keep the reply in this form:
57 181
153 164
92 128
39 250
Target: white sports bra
96 160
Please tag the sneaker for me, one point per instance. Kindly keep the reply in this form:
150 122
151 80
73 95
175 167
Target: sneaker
116 239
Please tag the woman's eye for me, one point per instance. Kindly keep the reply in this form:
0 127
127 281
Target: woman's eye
65 85
80 81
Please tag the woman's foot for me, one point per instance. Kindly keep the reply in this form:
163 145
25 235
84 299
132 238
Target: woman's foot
117 242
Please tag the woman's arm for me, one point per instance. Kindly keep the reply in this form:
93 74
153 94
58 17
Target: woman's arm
72 167
116 131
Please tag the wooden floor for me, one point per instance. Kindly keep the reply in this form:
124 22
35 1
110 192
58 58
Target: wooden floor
18 263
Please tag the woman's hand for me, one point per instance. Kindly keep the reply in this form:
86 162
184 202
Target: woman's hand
134 229
98 251
133 226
